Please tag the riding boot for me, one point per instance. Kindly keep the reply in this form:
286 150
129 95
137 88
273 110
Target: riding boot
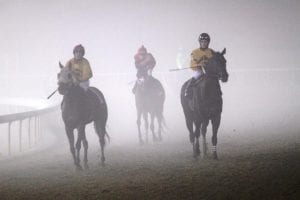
188 89
134 87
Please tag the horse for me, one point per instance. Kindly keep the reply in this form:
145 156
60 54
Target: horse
79 108
206 103
149 99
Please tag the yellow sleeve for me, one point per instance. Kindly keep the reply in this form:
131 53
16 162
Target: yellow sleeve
193 63
86 71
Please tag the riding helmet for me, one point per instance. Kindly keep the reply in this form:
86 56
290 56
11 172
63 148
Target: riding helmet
79 48
142 49
204 36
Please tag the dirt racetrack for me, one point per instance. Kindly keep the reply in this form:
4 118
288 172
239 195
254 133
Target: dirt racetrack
267 167
258 148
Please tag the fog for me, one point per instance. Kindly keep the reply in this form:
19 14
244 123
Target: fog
261 38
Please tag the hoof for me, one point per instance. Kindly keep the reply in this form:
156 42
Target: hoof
141 142
215 156
102 164
102 161
86 167
155 139
78 168
192 138
196 153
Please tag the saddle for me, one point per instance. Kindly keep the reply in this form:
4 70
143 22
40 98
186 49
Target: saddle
149 85
93 91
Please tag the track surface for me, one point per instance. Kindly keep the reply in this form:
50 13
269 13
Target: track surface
267 167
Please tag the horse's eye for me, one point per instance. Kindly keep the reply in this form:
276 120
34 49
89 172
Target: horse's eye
69 76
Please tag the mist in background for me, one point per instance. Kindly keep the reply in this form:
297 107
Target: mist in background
261 37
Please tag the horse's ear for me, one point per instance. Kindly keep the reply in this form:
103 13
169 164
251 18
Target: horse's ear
223 52
60 65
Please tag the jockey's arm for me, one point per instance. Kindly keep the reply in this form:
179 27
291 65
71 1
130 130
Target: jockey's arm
86 73
197 64
194 65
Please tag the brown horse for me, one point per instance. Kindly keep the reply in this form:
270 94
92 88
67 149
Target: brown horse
149 99
80 108
206 104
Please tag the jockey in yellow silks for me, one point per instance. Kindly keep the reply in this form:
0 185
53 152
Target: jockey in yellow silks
199 59
80 66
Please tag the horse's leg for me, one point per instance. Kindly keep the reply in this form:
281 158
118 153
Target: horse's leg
70 135
78 143
152 127
145 116
100 129
197 136
85 148
159 122
138 122
215 126
189 125
203 132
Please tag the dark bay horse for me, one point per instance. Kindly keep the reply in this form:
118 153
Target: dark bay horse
206 104
80 108
149 99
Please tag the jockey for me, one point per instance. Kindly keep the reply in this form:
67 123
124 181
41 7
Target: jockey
144 63
199 59
81 67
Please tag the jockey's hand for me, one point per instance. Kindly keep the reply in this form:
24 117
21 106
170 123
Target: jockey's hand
76 81
203 63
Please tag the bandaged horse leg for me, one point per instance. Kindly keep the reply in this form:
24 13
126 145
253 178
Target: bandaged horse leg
145 116
215 126
159 122
203 133
78 145
138 123
152 127
197 136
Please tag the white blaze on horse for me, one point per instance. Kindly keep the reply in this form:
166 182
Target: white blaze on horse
79 108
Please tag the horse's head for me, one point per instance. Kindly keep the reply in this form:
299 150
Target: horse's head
217 66
65 79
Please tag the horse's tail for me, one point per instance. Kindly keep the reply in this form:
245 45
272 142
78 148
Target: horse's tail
101 131
102 115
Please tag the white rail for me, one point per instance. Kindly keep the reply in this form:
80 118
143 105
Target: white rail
21 118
